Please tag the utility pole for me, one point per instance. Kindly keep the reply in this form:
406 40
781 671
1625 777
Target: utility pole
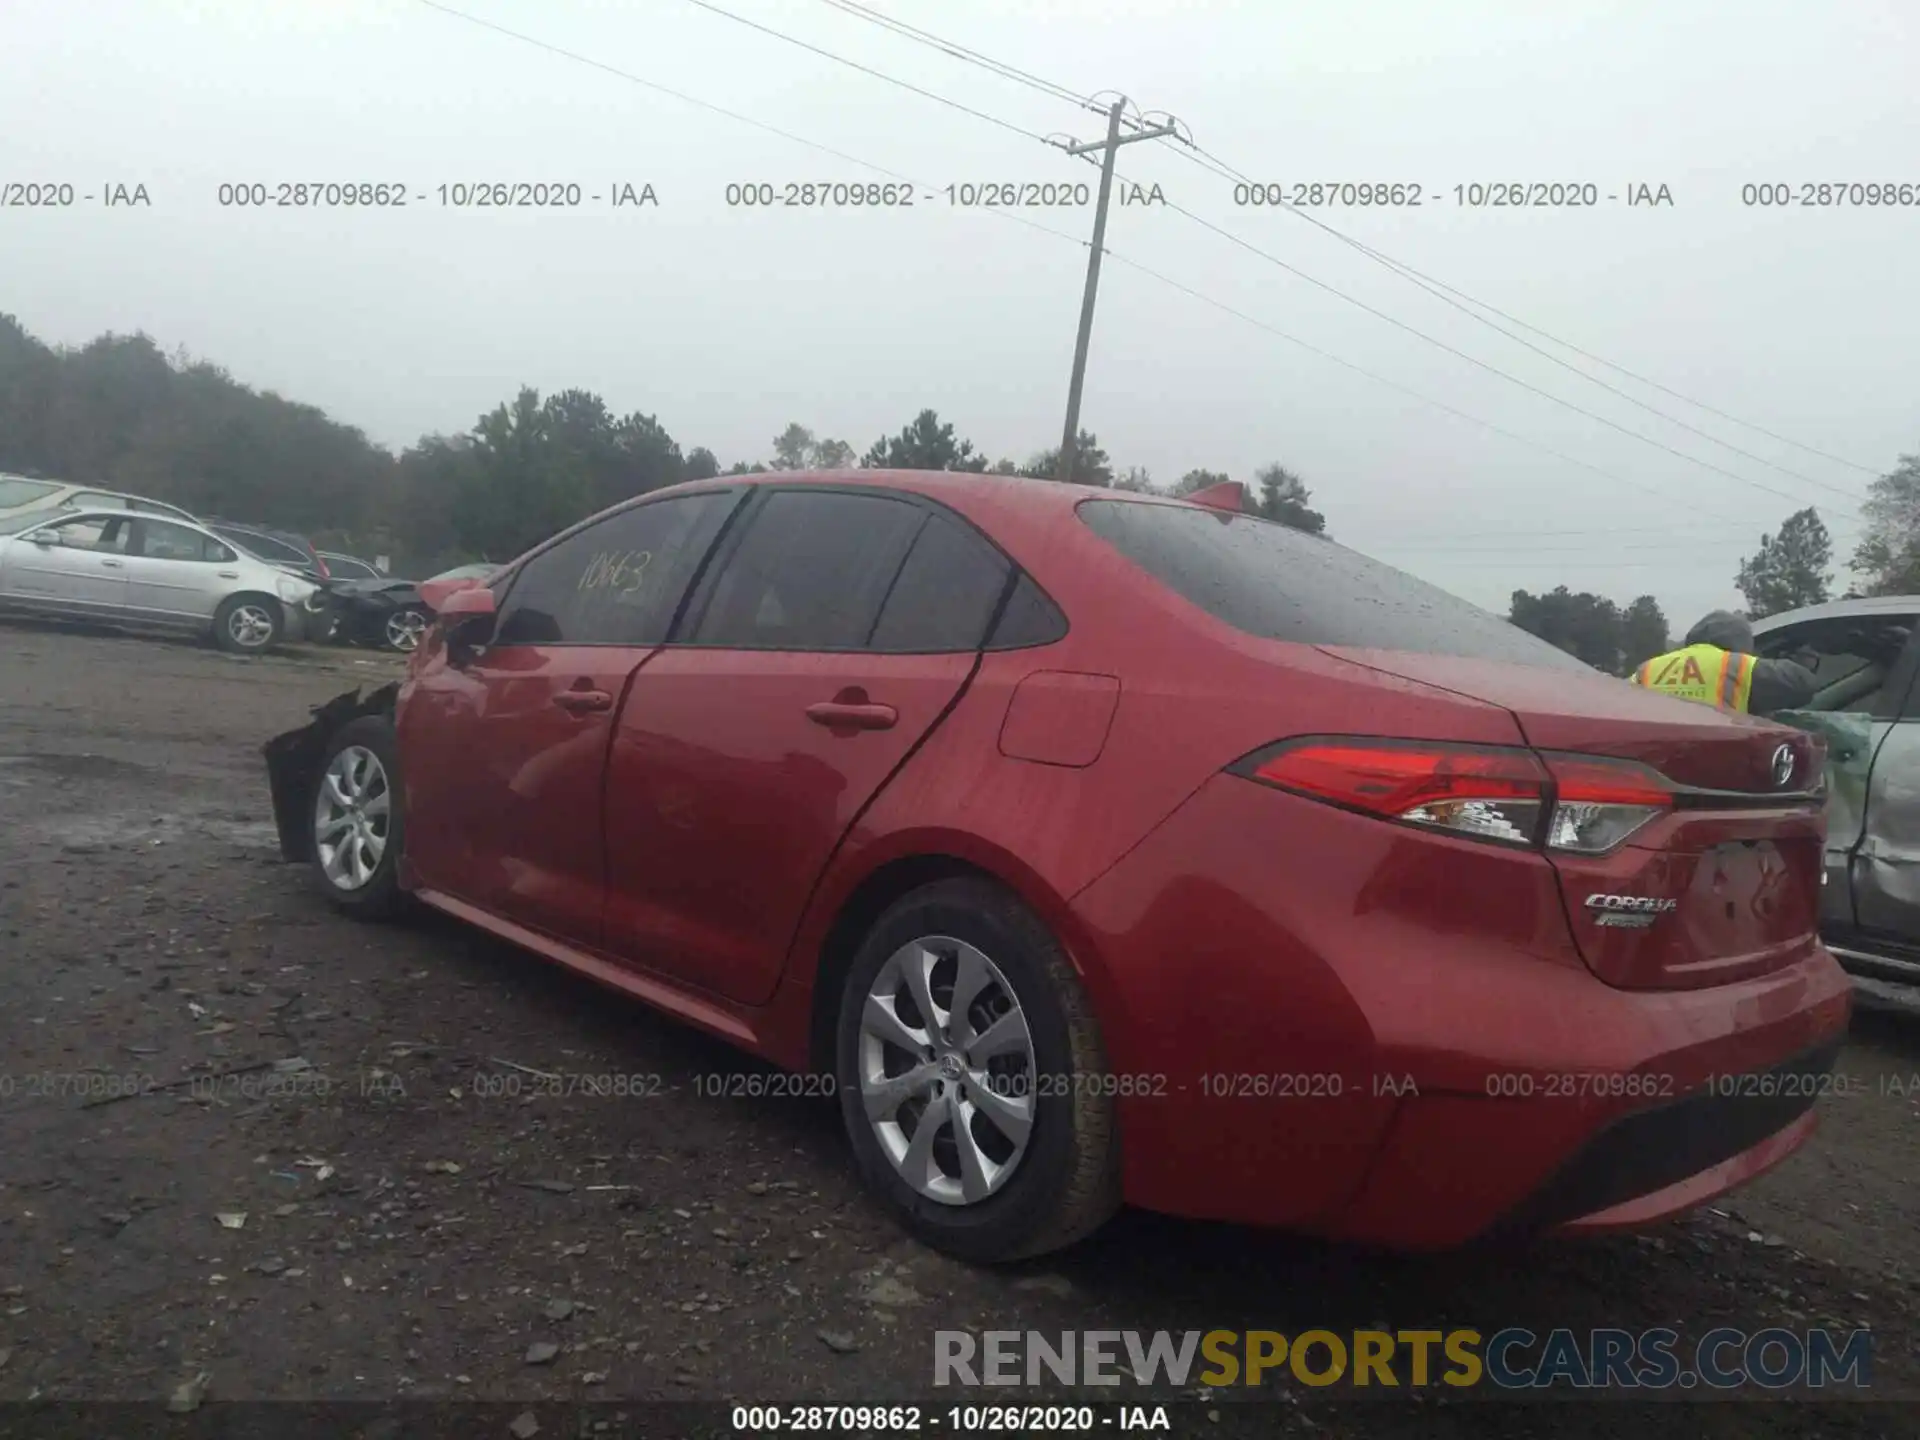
1070 442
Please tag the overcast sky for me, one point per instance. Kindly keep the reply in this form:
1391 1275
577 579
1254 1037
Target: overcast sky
727 323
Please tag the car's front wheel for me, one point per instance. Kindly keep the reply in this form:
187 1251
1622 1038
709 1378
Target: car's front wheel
970 1072
358 830
404 629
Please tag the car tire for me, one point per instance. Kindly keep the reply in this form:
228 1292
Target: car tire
248 624
1065 1183
358 867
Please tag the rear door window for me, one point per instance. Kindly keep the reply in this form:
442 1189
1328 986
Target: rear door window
1279 583
1031 618
944 596
617 582
161 541
811 572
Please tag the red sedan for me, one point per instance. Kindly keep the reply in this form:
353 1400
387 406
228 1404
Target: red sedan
1096 847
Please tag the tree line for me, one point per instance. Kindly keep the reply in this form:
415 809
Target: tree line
120 413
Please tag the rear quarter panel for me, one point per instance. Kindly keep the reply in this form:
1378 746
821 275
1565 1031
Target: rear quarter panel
1195 695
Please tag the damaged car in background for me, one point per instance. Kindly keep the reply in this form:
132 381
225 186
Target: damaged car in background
386 613
1865 656
1094 848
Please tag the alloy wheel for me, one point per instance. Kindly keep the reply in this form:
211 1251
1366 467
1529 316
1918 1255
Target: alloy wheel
352 817
250 625
946 1070
404 629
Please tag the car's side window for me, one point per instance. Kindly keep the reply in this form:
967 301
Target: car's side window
266 548
160 540
1853 659
618 582
945 594
91 533
1030 619
811 572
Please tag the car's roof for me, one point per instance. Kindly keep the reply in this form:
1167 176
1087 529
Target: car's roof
930 482
1841 610
964 489
61 486
67 517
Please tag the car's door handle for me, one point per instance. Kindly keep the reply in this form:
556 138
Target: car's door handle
842 715
110 565
582 702
229 574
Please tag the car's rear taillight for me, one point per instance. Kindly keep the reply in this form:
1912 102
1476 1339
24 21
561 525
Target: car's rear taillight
1576 803
1598 803
1482 792
320 565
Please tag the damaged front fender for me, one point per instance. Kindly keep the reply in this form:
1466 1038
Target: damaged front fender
293 763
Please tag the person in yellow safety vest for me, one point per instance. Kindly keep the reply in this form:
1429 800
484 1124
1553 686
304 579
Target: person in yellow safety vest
1717 667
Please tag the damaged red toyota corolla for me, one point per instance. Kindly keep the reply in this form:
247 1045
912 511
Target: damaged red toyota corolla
1098 848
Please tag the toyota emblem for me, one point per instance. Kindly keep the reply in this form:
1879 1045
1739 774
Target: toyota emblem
1782 767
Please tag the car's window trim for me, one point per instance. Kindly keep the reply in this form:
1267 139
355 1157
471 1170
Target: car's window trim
512 573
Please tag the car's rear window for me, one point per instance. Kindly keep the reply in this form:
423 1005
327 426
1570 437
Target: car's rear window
265 547
15 491
1279 583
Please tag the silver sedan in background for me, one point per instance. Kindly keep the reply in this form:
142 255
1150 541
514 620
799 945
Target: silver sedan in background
134 569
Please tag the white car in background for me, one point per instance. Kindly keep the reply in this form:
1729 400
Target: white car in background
21 495
150 570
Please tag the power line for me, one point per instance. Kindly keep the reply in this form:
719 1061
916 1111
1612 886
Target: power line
1476 361
1439 292
1415 394
869 70
962 53
1060 235
1272 259
708 105
682 96
1408 272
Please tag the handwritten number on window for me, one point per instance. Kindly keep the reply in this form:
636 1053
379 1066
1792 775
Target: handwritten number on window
620 573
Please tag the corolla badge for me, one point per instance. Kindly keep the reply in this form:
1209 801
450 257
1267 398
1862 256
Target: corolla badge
1628 912
1783 767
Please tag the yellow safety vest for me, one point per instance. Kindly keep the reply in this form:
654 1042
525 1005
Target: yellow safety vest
1702 673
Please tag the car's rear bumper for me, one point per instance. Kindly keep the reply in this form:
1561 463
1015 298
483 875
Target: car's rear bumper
1319 1033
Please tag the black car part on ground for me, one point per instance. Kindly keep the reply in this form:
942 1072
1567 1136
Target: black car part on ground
293 763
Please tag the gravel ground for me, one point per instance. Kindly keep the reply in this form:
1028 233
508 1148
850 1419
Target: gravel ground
354 1186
